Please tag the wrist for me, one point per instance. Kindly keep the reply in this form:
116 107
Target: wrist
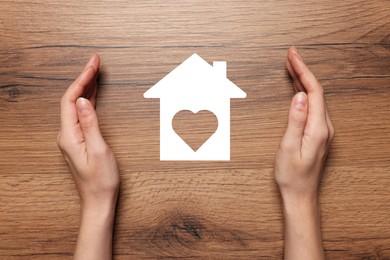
302 220
96 229
301 208
302 212
98 217
296 198
98 210
302 194
299 202
98 200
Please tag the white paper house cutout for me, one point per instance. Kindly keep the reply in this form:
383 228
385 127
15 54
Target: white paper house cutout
195 85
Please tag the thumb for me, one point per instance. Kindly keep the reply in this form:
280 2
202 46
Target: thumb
297 117
89 125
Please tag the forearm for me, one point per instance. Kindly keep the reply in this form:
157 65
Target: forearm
95 235
303 238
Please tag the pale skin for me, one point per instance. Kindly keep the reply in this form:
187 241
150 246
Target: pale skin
298 163
92 163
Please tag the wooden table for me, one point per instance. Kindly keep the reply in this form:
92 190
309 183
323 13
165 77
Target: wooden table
193 210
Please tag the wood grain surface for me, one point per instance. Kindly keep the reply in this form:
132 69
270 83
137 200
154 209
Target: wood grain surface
193 210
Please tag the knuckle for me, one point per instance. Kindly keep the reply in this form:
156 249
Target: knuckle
304 76
285 146
58 138
322 135
62 143
298 121
63 100
331 133
102 152
88 123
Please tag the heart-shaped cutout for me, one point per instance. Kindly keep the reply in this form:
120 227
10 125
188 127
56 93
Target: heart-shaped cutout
195 128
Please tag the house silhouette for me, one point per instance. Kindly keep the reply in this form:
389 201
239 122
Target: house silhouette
195 85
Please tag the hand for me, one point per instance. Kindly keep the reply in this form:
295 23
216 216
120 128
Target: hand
309 134
92 163
299 161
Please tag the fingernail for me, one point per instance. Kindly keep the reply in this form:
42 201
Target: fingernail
299 57
300 100
89 63
297 53
90 60
294 49
87 68
82 106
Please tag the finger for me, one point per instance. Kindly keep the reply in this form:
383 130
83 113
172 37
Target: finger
291 71
90 92
76 90
93 96
89 125
90 88
330 128
68 109
317 111
297 118
94 61
296 83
